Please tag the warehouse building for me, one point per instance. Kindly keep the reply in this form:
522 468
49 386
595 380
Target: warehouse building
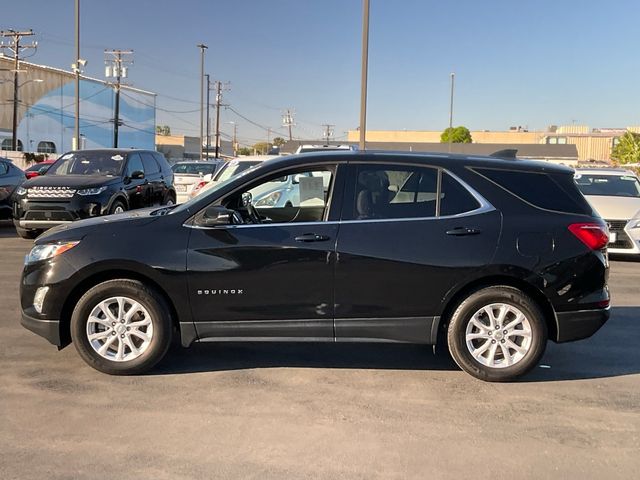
46 111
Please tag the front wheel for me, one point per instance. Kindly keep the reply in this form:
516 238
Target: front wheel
121 327
497 334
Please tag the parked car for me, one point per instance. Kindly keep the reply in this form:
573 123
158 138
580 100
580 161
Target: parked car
11 177
228 170
615 195
426 249
188 174
91 183
39 168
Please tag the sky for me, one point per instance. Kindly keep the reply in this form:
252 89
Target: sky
532 64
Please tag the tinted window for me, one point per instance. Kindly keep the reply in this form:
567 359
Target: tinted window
150 165
394 192
608 185
162 162
455 199
4 168
549 191
194 168
134 165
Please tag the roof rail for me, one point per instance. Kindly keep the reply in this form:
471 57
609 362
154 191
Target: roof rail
506 154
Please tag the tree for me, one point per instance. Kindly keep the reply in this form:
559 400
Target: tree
244 151
262 148
628 149
163 130
457 134
279 141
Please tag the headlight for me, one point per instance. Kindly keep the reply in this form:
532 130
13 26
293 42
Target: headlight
21 191
48 250
270 200
91 191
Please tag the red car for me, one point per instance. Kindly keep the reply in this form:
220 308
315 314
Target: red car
38 168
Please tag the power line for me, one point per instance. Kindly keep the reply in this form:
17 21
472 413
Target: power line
117 67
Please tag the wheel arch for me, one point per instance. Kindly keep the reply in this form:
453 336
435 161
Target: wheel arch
99 277
119 196
455 298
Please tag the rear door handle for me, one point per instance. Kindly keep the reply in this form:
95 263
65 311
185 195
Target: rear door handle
311 237
460 231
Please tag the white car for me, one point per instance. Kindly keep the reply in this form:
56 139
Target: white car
188 174
228 170
615 195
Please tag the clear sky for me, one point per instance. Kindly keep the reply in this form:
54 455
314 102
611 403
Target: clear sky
529 63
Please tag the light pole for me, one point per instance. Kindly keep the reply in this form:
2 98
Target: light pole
208 144
363 79
202 48
453 77
235 137
76 65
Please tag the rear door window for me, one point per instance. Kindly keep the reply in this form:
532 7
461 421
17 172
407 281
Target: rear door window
556 192
150 165
134 165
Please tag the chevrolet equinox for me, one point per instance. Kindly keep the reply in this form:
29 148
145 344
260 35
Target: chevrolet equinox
491 257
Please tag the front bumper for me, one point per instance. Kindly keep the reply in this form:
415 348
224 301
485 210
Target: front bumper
627 240
580 324
49 329
48 213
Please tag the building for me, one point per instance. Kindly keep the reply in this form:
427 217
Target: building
592 145
176 148
46 111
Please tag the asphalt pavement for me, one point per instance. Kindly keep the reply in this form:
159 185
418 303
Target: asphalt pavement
264 411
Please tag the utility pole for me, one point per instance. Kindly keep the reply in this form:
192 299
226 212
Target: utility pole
202 48
328 132
235 138
268 140
453 77
117 67
363 74
287 121
75 144
219 88
208 143
16 49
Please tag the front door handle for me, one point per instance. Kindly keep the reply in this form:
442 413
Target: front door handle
311 237
460 231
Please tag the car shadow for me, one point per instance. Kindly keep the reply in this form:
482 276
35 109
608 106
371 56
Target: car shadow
611 352
7 230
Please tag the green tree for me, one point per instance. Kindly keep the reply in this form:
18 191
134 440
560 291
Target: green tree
262 148
245 151
457 134
163 130
628 149
279 141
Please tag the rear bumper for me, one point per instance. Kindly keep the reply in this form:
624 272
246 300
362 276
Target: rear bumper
580 324
49 329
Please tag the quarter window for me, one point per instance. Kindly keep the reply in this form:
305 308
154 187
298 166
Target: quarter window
455 199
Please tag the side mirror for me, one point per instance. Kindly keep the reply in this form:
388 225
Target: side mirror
246 199
216 215
296 178
137 175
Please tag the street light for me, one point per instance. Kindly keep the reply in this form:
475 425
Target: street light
202 48
453 77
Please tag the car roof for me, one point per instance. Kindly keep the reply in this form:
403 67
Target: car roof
433 158
255 158
605 171
191 162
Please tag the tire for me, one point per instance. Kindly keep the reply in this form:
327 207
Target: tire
170 199
465 334
117 207
26 233
152 320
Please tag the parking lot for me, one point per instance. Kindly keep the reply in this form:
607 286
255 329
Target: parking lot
319 411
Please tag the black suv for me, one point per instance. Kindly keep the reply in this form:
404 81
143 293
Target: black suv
90 183
491 257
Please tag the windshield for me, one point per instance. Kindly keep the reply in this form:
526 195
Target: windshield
88 163
232 168
193 168
608 185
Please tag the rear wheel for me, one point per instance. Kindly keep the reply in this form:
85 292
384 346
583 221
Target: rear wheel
121 327
497 334
169 199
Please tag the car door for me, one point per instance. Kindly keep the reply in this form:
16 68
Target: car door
153 176
402 247
138 189
268 280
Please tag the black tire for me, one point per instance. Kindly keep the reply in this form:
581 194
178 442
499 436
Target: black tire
169 197
457 330
116 204
27 233
147 298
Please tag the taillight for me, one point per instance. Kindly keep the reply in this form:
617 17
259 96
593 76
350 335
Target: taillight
199 186
593 235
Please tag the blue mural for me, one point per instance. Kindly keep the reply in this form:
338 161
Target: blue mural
51 117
